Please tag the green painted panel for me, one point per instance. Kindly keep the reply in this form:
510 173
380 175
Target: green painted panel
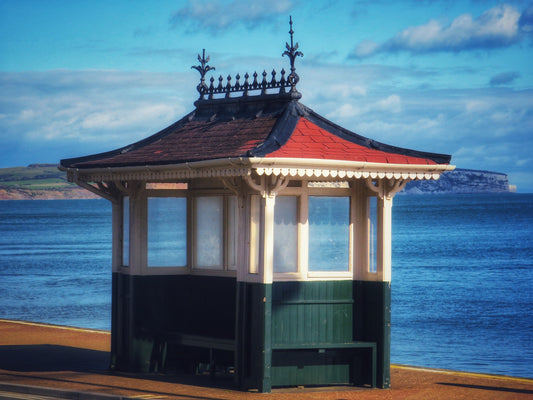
121 329
310 368
258 316
254 336
372 322
189 304
310 312
146 305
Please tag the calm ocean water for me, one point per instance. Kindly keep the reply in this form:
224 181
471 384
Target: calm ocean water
462 275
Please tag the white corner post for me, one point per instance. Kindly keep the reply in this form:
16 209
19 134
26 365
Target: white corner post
268 202
360 219
384 239
138 251
385 190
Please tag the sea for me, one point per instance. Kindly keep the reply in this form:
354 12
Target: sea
462 275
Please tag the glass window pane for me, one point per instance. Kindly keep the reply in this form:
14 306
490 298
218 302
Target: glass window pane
286 234
329 228
209 233
255 219
126 232
232 232
167 232
372 235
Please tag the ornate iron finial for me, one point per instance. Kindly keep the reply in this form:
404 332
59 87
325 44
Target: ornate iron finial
267 87
203 68
292 52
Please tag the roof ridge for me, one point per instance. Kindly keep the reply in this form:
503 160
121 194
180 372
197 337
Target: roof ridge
282 130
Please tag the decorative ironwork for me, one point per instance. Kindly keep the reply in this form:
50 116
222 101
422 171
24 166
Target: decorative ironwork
203 68
264 84
245 87
292 52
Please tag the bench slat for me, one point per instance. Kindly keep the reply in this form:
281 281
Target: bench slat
195 340
303 346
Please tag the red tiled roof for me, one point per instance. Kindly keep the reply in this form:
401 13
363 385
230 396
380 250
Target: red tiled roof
311 141
195 140
253 127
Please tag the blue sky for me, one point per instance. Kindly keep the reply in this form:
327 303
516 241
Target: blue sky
455 77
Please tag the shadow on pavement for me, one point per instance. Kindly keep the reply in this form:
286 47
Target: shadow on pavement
491 388
48 358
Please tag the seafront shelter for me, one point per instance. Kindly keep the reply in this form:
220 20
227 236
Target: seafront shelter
254 235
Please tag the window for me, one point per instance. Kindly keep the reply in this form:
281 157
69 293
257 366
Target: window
215 232
372 234
286 234
167 231
329 228
126 231
255 233
209 234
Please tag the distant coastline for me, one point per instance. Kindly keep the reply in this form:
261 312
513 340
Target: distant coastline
39 182
463 180
47 182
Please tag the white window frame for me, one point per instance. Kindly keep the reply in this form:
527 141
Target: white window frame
227 268
170 270
299 266
302 193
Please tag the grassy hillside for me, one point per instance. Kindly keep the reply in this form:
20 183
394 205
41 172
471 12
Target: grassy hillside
38 181
34 176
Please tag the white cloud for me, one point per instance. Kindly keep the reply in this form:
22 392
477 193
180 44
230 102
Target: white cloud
496 27
121 118
346 110
476 105
391 104
215 15
90 111
366 48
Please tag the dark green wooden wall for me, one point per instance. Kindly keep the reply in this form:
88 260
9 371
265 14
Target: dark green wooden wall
372 321
195 305
311 312
259 317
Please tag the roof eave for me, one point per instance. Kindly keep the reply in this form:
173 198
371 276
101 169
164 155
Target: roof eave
298 168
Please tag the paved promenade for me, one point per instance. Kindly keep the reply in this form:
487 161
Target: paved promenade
46 361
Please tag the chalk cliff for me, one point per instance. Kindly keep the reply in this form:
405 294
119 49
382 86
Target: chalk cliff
462 181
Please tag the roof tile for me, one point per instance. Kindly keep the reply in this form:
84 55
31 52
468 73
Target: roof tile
310 141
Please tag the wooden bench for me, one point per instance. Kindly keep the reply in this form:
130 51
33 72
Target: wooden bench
162 337
333 346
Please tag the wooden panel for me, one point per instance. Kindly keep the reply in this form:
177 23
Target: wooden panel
307 312
372 322
310 368
253 336
195 305
199 305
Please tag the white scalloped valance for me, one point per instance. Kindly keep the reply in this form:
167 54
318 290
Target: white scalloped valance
345 174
